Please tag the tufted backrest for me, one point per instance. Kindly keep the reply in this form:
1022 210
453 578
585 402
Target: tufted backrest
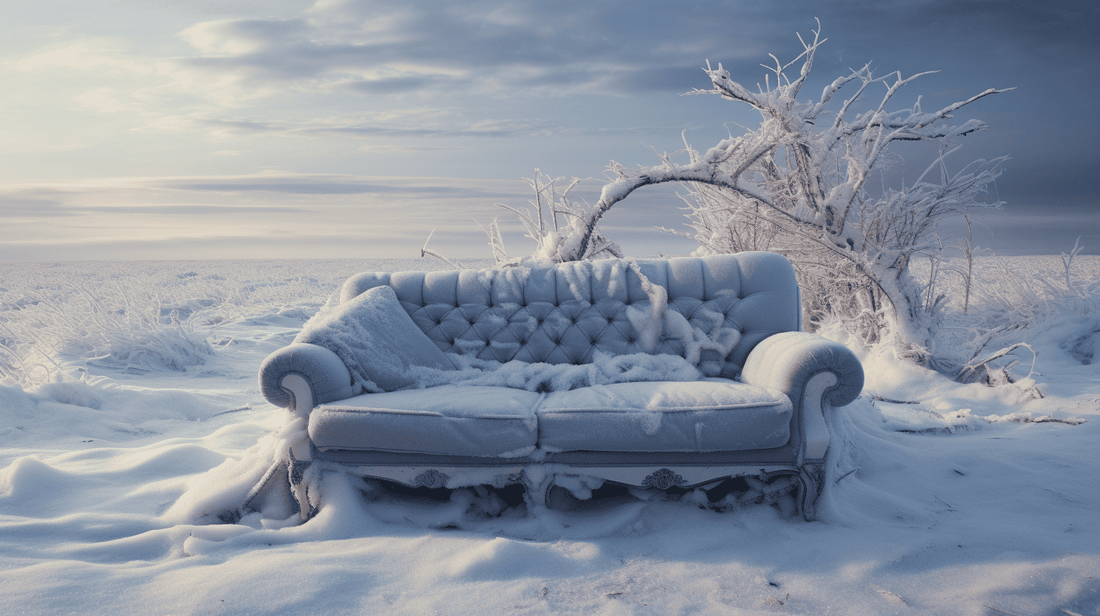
564 313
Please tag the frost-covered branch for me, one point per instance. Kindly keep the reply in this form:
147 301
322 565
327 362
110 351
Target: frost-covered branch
428 252
799 184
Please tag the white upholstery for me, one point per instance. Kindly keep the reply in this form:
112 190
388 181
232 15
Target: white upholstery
376 340
731 316
713 415
662 416
563 314
447 420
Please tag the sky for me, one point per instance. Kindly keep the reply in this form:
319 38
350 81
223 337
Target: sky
194 129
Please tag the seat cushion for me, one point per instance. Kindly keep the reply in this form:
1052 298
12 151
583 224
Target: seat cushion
446 420
665 416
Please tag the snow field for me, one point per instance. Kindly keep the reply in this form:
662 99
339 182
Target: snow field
970 501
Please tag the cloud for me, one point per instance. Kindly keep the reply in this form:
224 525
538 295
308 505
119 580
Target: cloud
391 85
296 184
397 244
193 210
362 80
105 100
269 215
397 47
267 193
413 123
239 37
516 48
525 47
301 188
81 56
35 204
382 148
26 204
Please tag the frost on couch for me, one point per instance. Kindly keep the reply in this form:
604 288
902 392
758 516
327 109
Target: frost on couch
672 373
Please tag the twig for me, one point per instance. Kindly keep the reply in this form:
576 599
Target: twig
990 607
970 369
891 400
247 407
846 474
944 502
425 251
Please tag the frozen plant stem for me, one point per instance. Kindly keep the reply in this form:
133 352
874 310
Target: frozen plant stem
425 251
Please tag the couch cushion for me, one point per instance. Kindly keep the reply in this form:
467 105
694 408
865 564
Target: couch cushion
665 416
446 420
377 341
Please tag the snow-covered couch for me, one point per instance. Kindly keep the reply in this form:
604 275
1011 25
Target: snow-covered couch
670 373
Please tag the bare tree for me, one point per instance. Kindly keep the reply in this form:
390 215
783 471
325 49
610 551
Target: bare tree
799 182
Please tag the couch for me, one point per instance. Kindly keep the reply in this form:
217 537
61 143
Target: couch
660 374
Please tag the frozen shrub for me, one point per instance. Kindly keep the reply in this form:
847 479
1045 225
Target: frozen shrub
798 184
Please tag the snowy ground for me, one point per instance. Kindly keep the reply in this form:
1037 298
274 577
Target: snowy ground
972 501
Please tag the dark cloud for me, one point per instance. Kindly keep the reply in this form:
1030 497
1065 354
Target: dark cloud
475 44
193 209
424 127
305 188
244 126
661 79
393 85
23 206
35 208
629 46
325 186
279 187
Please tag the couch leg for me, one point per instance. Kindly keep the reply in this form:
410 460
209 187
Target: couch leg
276 477
812 478
537 489
299 487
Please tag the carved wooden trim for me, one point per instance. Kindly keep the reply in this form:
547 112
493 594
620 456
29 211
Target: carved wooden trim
813 482
430 478
663 479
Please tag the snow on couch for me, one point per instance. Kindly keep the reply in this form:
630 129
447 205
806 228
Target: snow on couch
651 374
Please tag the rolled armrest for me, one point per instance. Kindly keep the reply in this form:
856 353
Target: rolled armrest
323 370
789 360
